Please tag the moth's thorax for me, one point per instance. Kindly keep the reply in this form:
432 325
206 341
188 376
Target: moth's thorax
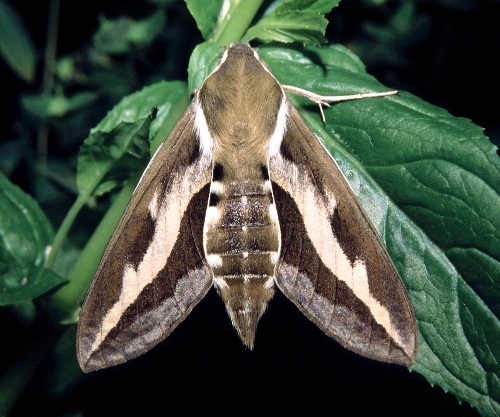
239 123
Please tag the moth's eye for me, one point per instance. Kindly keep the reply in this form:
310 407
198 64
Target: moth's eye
265 172
218 173
213 200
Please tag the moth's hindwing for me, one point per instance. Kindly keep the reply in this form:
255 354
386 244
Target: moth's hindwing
333 265
153 271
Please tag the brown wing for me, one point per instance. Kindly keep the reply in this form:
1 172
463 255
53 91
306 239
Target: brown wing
153 270
333 265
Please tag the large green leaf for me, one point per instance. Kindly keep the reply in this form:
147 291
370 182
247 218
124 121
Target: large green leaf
25 238
435 203
284 21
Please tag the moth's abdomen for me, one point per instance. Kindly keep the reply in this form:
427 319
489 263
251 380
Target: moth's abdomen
241 240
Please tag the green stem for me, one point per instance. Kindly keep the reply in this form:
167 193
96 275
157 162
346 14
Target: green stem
63 230
49 65
237 21
68 298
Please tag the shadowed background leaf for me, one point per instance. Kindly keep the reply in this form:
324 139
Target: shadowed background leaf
16 46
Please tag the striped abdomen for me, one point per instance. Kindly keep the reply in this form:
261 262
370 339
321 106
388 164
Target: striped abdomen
241 240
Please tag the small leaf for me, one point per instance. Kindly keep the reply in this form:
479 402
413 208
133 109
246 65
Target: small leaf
12 153
293 21
118 36
112 156
145 31
444 175
25 238
202 62
313 6
118 146
47 107
206 14
38 282
16 45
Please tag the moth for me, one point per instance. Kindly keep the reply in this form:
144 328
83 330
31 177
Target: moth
243 196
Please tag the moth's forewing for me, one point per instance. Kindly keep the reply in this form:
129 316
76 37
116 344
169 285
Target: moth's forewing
153 271
333 265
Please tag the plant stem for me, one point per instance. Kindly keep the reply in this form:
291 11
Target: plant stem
66 300
48 75
237 21
63 230
51 44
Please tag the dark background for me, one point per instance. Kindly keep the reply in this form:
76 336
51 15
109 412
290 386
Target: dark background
445 54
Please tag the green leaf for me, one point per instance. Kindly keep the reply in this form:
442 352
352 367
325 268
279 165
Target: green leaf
16 46
451 192
25 238
119 146
38 282
12 153
206 14
145 31
293 21
202 62
119 36
48 107
430 184
107 158
309 6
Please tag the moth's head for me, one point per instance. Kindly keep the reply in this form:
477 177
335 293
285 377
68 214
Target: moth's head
237 53
241 95
240 57
239 49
